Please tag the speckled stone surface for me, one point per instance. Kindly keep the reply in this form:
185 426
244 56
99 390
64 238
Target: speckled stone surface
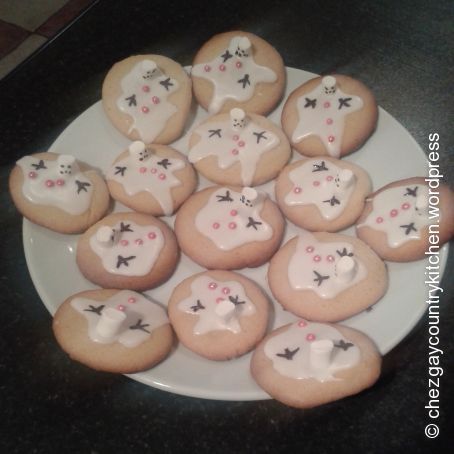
401 50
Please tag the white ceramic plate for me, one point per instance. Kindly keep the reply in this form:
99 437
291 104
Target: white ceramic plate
390 154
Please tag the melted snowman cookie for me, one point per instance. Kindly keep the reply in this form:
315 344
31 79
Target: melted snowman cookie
147 97
153 180
326 277
331 115
400 223
306 364
218 314
238 69
322 194
127 250
229 227
112 330
240 149
57 192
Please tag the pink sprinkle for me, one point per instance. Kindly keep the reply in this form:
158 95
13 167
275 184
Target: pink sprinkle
153 170
238 64
235 151
241 143
297 189
146 88
310 249
32 174
393 213
405 206
219 300
302 323
131 300
235 137
310 337
329 121
139 242
216 225
329 178
152 235
317 258
316 183
232 225
331 139
49 183
142 169
327 104
330 258
221 67
145 109
212 285
225 290
207 68
124 242
162 176
121 308
60 182
155 100
379 220
233 213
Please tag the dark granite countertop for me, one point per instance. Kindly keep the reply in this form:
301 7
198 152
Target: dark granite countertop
402 50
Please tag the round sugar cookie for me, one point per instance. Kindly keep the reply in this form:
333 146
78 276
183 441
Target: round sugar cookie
113 330
229 227
238 148
326 276
238 69
153 179
58 192
218 314
305 364
322 194
128 251
148 98
407 218
329 116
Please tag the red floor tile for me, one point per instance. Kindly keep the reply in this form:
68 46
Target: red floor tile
10 37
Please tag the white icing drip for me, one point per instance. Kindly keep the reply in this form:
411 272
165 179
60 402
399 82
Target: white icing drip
148 176
313 258
145 99
226 76
324 188
211 294
225 222
395 213
234 146
325 120
56 186
135 307
303 364
143 244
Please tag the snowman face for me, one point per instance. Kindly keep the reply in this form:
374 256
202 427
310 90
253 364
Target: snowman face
67 165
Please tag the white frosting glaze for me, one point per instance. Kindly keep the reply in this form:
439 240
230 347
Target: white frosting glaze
145 90
245 145
140 313
322 184
153 174
325 268
399 214
218 305
234 74
128 253
322 113
58 183
230 219
305 360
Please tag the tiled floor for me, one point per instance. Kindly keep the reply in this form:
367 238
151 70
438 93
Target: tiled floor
25 25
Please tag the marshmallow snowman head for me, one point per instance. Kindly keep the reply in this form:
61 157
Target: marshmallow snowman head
107 236
67 165
243 48
344 180
329 85
238 119
139 152
150 70
346 269
249 197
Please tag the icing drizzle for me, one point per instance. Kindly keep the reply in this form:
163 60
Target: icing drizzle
401 212
230 219
234 74
145 90
311 350
58 183
323 184
326 268
142 317
128 249
322 113
206 300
